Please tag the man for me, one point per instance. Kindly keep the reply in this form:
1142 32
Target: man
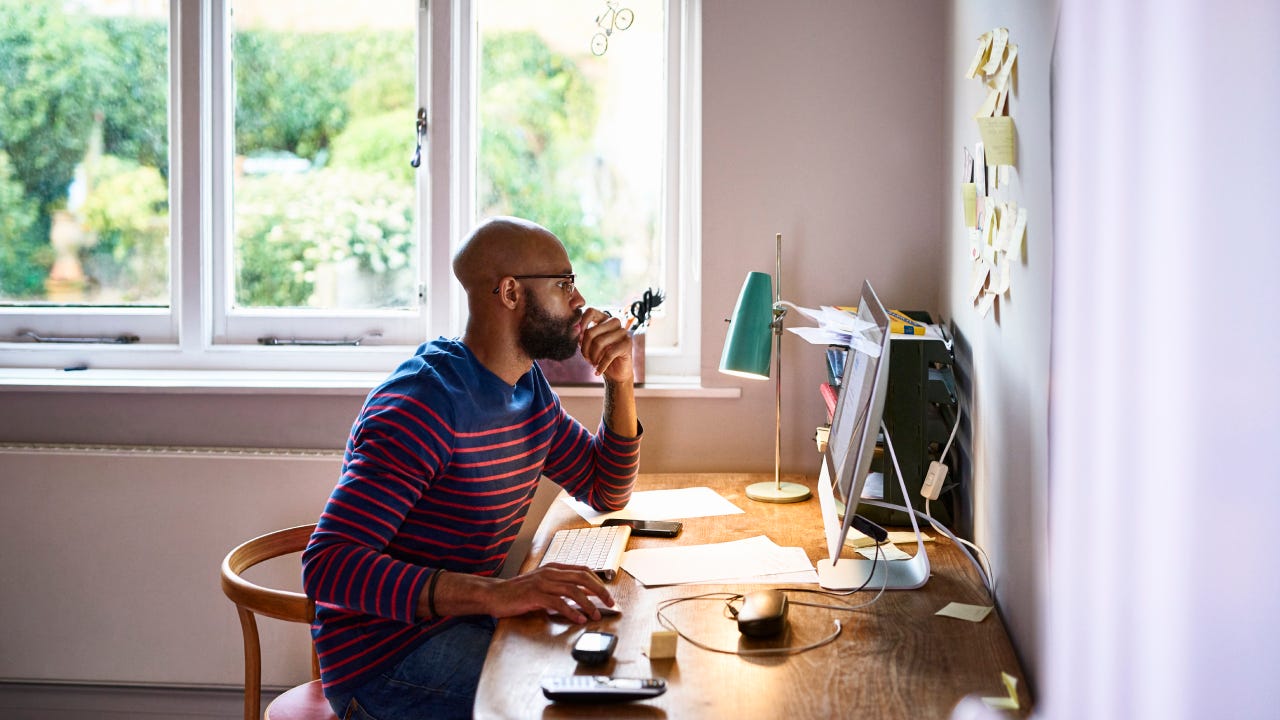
440 468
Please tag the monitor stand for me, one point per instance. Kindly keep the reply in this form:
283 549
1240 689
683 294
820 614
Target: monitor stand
854 573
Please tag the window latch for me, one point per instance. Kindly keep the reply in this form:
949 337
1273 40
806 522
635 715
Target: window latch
354 342
420 128
125 339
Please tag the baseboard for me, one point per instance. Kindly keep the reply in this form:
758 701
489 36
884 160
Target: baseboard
54 701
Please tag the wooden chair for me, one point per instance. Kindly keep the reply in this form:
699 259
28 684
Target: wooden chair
303 702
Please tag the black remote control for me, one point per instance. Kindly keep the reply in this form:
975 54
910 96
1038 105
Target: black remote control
601 688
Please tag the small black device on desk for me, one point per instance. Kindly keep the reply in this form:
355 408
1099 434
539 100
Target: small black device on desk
648 528
593 647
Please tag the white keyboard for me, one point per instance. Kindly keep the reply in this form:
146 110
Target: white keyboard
599 548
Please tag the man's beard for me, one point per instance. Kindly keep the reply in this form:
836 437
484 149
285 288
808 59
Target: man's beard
545 337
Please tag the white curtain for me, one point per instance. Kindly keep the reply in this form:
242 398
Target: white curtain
1164 389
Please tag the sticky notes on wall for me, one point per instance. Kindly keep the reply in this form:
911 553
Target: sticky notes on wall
995 224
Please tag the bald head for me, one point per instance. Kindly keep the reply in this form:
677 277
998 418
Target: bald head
504 246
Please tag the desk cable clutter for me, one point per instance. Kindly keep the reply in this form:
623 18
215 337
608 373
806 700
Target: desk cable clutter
662 641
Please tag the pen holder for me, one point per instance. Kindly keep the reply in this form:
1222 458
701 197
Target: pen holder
577 371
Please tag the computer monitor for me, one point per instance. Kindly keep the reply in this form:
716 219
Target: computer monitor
851 444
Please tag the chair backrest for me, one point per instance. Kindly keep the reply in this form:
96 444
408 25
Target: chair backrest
252 599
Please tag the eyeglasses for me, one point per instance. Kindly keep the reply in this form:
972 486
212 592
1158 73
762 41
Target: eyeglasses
566 281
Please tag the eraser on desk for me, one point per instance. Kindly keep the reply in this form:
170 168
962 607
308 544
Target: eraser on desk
662 644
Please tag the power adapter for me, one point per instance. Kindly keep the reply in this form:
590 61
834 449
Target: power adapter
932 485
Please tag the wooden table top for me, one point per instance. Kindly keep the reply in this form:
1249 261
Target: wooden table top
894 658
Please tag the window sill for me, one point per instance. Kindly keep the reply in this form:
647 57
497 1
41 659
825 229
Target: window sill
293 382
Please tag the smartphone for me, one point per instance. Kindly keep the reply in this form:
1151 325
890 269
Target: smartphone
648 528
593 647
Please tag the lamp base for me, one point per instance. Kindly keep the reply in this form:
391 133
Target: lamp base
787 492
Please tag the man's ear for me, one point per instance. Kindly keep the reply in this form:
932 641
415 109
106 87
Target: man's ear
509 292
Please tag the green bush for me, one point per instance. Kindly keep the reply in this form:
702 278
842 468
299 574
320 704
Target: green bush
292 90
128 210
289 225
51 67
136 96
17 217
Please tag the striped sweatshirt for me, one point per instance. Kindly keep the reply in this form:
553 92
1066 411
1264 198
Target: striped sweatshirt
439 471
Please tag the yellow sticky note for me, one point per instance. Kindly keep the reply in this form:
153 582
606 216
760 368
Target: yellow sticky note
963 611
969 197
1005 703
989 105
999 38
1001 79
998 139
979 58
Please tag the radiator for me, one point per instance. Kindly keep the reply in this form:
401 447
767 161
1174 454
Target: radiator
109 560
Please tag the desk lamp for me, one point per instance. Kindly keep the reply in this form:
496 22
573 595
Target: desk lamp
760 311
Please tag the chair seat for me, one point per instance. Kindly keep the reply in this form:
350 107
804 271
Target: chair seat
304 702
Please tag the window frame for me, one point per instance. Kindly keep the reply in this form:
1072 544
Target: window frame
192 335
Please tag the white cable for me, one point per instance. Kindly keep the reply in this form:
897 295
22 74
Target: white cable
668 624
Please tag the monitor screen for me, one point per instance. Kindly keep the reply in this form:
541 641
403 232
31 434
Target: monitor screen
846 463
855 423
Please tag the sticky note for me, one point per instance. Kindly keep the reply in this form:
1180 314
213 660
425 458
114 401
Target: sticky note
1005 273
662 644
1005 703
988 107
977 279
1019 232
969 197
964 611
1001 79
999 39
980 57
985 302
998 136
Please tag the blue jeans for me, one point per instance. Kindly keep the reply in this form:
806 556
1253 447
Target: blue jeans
437 680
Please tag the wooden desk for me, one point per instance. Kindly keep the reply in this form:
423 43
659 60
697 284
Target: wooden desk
895 658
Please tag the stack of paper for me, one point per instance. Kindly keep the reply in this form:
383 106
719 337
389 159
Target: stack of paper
754 560
661 505
837 327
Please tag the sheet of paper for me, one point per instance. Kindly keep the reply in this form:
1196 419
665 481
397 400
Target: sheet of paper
964 611
747 558
889 552
661 505
998 137
969 198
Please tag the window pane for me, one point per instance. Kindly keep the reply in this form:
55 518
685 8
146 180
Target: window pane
84 153
572 132
324 209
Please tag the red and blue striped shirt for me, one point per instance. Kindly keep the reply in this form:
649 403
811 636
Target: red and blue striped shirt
440 468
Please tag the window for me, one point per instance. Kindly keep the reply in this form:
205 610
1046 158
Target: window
231 183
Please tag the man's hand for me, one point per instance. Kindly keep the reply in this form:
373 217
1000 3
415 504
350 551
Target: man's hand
545 588
606 344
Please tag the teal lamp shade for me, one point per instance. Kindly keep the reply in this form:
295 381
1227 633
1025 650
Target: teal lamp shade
747 347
